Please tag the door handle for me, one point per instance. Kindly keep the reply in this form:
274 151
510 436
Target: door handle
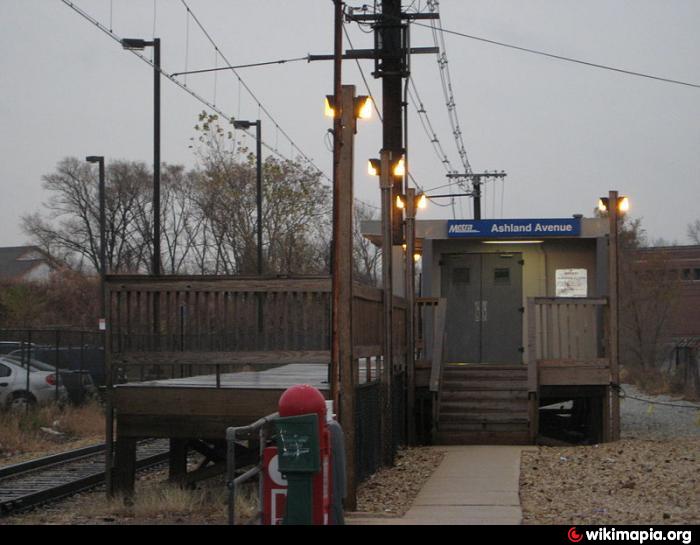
477 311
4 384
484 311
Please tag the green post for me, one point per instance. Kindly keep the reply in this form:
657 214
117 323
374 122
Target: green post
299 461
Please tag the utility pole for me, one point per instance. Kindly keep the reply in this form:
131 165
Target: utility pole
614 348
476 180
342 278
337 146
385 182
410 311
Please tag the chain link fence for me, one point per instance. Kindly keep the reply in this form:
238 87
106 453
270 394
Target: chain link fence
76 356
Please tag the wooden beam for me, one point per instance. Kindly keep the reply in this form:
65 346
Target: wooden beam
117 283
276 357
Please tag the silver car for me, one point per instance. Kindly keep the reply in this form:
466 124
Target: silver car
14 392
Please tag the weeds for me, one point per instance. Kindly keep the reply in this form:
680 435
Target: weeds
21 432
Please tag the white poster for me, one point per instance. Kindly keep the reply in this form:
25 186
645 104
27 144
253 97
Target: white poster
571 283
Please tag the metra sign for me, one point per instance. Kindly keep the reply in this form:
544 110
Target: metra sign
519 228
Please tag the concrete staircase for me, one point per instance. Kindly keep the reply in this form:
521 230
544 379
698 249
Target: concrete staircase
483 404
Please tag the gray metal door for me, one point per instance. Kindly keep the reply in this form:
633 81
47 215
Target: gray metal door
501 299
461 286
484 307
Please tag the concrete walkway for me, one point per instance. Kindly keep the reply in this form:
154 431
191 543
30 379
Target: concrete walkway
472 485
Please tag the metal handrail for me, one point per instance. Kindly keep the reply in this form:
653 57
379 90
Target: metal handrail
232 481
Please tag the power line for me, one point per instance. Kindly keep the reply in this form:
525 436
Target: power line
198 97
562 58
251 65
446 81
250 91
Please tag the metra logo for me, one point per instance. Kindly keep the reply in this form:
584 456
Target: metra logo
462 228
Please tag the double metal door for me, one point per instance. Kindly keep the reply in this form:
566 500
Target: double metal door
484 307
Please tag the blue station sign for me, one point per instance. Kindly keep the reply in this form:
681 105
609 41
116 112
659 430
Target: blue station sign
517 228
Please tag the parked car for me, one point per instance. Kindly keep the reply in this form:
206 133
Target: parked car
10 346
76 358
14 392
79 384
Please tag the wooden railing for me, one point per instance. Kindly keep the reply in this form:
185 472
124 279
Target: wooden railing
195 315
565 344
210 324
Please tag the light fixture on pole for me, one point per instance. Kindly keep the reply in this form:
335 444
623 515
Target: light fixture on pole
109 431
135 44
240 124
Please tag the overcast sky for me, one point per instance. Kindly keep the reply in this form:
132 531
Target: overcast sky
564 133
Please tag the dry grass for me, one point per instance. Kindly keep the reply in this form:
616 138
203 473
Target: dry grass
155 502
21 433
658 382
649 381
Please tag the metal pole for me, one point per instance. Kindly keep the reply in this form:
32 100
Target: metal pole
385 179
410 304
258 151
477 198
258 175
156 156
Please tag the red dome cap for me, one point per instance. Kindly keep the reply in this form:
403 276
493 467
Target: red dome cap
302 399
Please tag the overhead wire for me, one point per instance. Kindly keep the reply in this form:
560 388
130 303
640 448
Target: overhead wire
198 97
564 58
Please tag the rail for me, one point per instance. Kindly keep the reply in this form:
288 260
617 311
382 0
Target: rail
50 478
233 434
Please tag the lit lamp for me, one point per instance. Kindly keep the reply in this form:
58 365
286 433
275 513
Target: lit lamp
623 204
363 107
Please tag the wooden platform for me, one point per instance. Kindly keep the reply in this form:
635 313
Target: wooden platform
195 407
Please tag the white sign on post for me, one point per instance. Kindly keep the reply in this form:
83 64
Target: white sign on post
571 283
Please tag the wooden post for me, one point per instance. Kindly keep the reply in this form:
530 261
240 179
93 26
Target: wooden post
613 247
385 181
342 288
410 314
532 375
177 466
124 465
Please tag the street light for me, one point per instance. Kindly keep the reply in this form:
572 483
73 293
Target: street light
135 44
109 431
240 124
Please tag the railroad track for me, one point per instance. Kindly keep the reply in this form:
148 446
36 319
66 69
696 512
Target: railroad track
31 483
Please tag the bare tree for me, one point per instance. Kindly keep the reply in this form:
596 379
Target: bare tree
295 212
366 256
694 232
70 228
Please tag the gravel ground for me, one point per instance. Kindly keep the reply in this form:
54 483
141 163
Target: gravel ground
649 477
391 490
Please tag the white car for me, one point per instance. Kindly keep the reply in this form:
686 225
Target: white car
13 385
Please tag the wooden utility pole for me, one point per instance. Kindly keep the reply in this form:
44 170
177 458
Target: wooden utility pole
342 278
614 339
